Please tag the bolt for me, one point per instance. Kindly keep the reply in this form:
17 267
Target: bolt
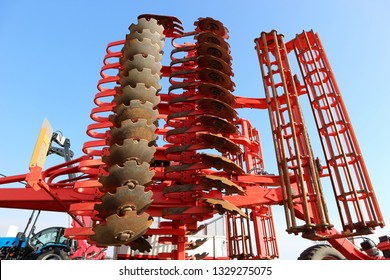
121 211
131 184
124 236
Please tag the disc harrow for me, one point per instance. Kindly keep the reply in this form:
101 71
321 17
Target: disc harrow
185 156
131 140
201 117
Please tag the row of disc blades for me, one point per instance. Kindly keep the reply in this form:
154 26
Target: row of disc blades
131 140
202 118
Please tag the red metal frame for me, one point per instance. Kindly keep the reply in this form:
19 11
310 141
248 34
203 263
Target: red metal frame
297 186
353 191
292 146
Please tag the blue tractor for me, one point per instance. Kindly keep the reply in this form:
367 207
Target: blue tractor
47 244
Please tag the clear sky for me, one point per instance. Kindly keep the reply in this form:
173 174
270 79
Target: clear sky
51 53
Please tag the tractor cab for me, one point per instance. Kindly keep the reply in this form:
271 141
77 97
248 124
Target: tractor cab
49 236
51 243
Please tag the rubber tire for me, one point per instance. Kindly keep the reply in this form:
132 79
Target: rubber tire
321 252
53 254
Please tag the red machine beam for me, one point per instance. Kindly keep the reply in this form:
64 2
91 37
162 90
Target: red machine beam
257 196
28 198
241 103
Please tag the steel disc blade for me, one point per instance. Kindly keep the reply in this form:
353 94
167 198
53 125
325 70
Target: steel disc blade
205 123
210 61
138 149
184 188
134 111
129 172
217 124
155 37
209 75
214 50
139 92
221 184
119 230
222 206
146 47
193 232
220 143
207 183
134 77
216 107
198 256
220 162
150 24
140 244
140 62
113 203
211 25
208 106
195 244
208 37
132 130
216 92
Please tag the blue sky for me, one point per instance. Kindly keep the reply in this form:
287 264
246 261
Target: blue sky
51 53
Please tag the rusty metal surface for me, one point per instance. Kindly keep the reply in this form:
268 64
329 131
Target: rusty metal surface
133 77
134 111
220 143
195 244
217 124
131 171
134 130
149 24
183 188
209 106
205 140
139 92
217 108
155 37
199 228
172 26
221 206
119 230
208 123
209 37
204 90
145 46
124 198
203 161
222 184
209 75
209 61
216 92
198 256
212 25
130 140
220 162
214 50
130 149
140 61
140 244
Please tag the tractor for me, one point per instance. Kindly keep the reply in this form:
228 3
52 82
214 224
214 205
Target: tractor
47 244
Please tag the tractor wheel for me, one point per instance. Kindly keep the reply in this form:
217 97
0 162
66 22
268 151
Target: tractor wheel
53 254
321 252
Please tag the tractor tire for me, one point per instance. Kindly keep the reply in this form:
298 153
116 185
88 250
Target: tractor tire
53 254
321 252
